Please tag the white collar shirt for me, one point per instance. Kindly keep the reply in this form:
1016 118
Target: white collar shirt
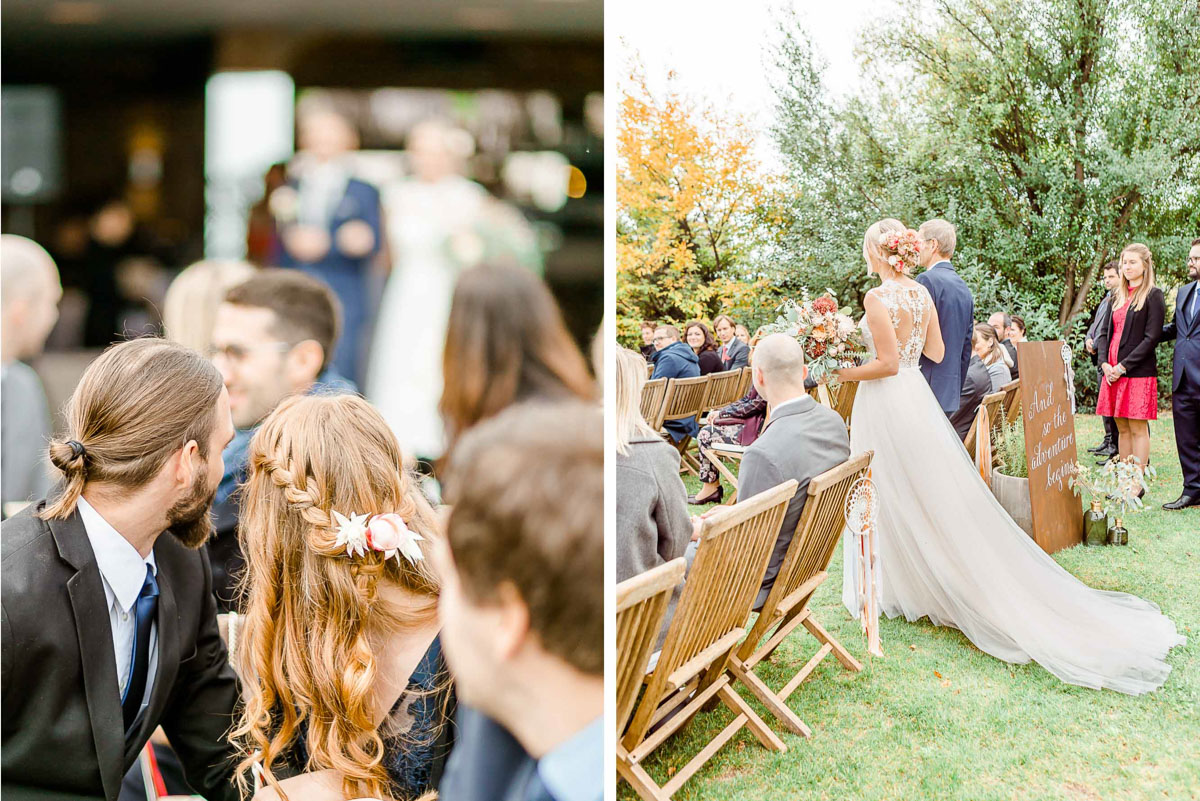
123 571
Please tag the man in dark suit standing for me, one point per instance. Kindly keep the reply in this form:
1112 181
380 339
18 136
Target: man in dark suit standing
735 354
1108 448
956 313
109 626
1185 382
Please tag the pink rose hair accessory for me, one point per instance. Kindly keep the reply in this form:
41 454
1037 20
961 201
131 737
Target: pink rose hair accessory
385 533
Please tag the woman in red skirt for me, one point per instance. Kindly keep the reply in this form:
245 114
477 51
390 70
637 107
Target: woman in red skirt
1127 339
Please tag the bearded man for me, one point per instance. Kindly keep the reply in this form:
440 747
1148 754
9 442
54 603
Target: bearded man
109 621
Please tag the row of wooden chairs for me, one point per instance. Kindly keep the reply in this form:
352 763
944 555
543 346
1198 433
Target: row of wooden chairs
666 399
708 648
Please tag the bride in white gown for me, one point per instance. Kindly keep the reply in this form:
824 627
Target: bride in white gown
947 549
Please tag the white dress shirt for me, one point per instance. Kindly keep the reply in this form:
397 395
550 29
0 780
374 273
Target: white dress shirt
124 571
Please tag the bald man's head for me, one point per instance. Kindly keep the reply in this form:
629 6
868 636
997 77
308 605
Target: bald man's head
29 291
779 369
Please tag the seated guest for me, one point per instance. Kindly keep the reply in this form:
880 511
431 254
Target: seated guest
993 355
735 424
344 682
675 360
506 343
701 341
741 332
29 296
190 305
1016 331
273 337
802 440
648 329
1001 323
735 353
110 626
977 384
522 606
652 516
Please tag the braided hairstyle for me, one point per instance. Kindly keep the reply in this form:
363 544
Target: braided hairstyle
312 610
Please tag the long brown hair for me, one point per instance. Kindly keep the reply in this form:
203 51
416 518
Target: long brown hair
311 610
1140 294
505 342
709 342
136 405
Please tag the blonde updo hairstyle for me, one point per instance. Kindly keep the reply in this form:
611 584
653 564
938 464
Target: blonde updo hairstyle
312 611
877 254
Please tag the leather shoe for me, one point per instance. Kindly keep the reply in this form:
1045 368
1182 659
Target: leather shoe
713 498
1182 502
1105 458
1105 445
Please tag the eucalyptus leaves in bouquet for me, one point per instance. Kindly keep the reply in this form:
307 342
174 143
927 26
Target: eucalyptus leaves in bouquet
829 336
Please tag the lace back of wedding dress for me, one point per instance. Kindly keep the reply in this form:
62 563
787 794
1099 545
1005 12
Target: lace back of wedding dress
908 308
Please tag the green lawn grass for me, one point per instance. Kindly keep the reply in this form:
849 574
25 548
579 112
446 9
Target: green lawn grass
938 719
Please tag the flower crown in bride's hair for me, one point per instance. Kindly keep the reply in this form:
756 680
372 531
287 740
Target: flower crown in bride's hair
904 247
386 533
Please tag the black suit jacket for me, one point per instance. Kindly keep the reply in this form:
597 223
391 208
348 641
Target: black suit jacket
63 734
1139 337
1185 330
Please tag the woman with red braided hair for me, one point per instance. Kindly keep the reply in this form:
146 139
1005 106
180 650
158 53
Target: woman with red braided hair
338 649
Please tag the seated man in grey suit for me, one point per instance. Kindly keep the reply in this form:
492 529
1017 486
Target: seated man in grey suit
801 440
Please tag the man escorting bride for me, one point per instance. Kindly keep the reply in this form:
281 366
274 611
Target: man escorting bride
948 549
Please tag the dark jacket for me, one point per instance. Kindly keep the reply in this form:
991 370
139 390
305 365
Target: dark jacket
749 412
1014 372
710 362
977 385
1141 334
62 730
1094 327
739 354
1185 330
956 318
803 440
678 360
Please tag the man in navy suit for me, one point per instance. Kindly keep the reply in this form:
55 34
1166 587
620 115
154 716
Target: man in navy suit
1185 383
336 230
956 313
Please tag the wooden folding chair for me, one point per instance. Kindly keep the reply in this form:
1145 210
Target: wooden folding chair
994 404
1012 400
684 399
653 393
747 380
717 453
804 568
723 389
641 604
844 402
731 557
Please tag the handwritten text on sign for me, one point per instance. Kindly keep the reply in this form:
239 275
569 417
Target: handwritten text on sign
1049 445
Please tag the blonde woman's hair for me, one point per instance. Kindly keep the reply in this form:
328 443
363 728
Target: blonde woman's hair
135 405
1139 296
996 351
312 610
631 377
875 252
190 307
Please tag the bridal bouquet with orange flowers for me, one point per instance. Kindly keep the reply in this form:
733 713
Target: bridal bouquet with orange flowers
829 337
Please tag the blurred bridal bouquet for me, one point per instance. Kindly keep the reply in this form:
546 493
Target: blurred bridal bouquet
829 337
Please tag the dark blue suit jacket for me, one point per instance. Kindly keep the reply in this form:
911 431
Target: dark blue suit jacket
1185 328
956 315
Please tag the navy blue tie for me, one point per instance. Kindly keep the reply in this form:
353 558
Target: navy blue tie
144 610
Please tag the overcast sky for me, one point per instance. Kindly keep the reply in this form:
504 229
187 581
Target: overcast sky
719 48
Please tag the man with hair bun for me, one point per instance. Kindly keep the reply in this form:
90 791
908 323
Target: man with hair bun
109 622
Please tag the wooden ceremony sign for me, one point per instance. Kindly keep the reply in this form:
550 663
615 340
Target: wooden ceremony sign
1049 444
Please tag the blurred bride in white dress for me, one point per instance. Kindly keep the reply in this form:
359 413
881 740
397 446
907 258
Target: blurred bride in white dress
428 216
947 549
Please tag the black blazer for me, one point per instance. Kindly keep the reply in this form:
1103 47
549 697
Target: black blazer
62 730
1143 329
710 362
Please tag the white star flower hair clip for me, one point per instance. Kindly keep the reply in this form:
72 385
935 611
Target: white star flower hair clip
386 533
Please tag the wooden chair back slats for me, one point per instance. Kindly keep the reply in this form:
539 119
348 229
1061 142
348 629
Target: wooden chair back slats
654 392
685 398
1012 400
994 404
723 388
641 604
844 403
747 380
731 558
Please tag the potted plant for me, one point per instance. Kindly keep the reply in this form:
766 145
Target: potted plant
1089 483
1010 481
1126 481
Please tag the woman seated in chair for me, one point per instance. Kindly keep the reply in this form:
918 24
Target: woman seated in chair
993 355
653 526
704 345
345 688
735 424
